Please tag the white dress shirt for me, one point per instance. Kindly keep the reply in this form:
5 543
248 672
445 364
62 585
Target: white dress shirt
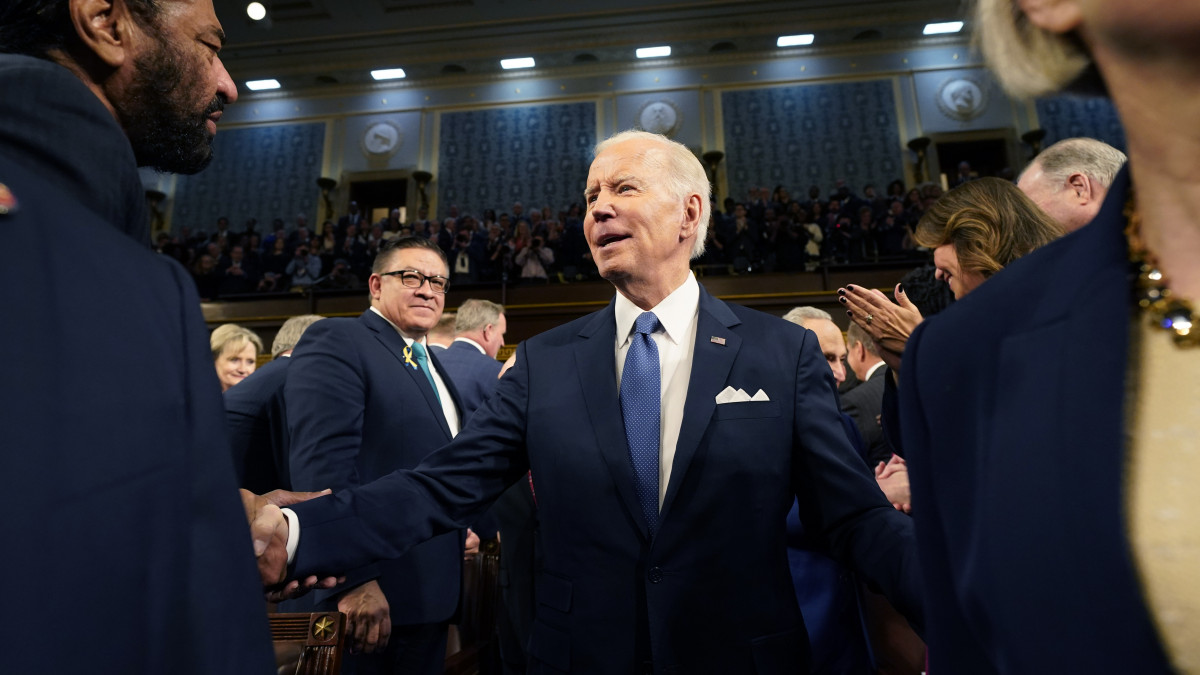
676 342
473 343
448 409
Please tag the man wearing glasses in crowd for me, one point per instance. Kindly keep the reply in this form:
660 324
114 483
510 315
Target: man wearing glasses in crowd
364 398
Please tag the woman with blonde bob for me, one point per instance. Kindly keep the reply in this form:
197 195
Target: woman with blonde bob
1052 418
235 353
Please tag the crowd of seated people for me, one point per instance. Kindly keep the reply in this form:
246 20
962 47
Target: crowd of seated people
766 232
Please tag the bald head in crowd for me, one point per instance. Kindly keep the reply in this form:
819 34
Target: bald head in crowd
1069 179
829 336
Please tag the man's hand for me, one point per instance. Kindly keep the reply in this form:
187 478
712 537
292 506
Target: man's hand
471 547
269 530
368 620
892 478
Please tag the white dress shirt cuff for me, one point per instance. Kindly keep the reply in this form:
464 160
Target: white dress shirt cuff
293 541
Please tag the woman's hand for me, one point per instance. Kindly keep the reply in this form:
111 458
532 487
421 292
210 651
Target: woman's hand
888 323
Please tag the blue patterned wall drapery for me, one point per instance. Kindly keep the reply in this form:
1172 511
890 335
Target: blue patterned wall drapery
256 172
537 155
1073 116
815 134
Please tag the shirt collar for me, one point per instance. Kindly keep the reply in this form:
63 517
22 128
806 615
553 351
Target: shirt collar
473 343
872 369
407 340
675 313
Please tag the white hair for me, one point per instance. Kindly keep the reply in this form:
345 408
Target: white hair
798 315
684 173
1095 159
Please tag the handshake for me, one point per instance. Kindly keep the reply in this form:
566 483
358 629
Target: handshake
269 531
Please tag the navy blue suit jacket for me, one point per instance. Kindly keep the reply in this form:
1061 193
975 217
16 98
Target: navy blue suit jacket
711 591
119 495
474 374
356 412
258 430
1013 407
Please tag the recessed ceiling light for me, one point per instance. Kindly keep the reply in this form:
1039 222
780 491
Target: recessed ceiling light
510 64
794 40
653 52
389 74
940 28
259 85
256 11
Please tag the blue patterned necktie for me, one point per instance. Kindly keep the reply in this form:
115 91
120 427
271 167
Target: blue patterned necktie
423 363
641 396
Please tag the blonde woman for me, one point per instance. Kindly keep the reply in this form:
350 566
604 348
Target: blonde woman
235 353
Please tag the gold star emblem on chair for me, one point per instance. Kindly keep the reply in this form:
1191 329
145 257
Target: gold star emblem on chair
323 629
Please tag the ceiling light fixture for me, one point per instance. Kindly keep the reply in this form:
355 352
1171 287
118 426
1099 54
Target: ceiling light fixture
259 85
511 64
389 74
941 28
653 52
794 40
256 11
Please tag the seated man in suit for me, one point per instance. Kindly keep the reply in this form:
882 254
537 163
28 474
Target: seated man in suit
865 402
470 360
364 398
257 419
668 435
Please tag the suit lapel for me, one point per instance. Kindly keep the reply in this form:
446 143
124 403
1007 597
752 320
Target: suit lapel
394 343
598 379
711 364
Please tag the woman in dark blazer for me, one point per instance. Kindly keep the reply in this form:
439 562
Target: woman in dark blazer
1050 417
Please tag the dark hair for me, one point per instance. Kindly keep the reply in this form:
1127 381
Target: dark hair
990 222
37 27
403 242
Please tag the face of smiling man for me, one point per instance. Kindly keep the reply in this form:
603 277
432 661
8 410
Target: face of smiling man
640 233
415 311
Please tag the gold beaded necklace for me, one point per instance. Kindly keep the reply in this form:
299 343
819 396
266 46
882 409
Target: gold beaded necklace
1161 307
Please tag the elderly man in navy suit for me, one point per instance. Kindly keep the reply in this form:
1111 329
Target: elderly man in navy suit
668 434
470 360
364 398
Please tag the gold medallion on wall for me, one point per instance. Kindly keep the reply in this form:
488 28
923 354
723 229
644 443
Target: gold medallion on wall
659 116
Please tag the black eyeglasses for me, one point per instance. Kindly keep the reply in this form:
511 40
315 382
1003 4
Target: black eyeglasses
414 279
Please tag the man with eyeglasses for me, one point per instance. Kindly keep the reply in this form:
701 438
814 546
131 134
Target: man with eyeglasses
365 397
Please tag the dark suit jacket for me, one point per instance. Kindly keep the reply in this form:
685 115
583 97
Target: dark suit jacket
1012 404
864 403
711 591
115 456
258 429
357 412
474 374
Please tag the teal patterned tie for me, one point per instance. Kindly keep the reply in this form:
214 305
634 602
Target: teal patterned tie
423 363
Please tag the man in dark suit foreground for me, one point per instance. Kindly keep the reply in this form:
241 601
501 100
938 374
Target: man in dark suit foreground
668 434
115 453
364 398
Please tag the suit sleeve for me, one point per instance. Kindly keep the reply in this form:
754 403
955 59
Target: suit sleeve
839 498
452 486
953 648
325 394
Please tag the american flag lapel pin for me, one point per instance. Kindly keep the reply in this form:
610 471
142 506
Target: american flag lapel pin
717 340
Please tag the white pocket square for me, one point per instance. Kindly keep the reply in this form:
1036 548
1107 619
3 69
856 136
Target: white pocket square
731 395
